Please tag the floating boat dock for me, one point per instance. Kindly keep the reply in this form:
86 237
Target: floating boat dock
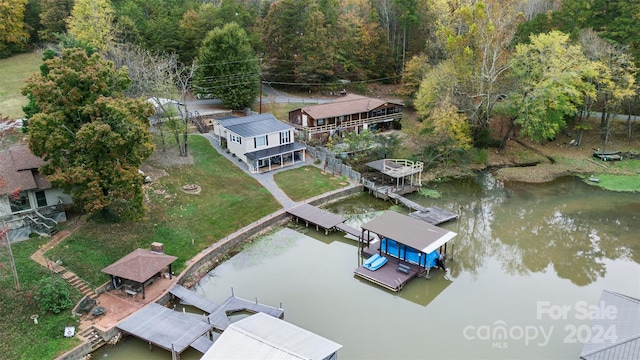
323 219
175 331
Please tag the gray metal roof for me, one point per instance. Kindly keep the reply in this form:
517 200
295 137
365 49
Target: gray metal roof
256 125
620 338
406 230
274 151
164 327
265 337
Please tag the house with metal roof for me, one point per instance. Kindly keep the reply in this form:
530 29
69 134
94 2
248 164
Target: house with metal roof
265 337
615 329
346 114
28 202
261 141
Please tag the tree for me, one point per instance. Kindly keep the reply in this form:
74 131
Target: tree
317 52
53 16
227 67
552 76
92 137
12 29
91 22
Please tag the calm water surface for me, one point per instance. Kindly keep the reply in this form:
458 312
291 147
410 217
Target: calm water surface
522 250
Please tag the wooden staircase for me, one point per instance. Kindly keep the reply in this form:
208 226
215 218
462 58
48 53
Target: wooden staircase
93 337
75 281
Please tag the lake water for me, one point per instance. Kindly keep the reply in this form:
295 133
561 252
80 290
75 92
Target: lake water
522 252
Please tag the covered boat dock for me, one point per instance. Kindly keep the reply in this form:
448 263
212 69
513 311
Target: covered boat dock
408 244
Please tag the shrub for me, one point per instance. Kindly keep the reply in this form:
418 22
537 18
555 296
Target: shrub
53 295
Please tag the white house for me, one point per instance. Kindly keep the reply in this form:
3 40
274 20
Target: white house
261 141
28 203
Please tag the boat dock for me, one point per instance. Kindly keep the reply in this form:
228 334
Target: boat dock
175 331
389 276
320 218
434 215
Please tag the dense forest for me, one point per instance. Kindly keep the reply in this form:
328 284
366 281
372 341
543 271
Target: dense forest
542 64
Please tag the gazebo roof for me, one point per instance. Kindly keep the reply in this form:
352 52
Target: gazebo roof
140 265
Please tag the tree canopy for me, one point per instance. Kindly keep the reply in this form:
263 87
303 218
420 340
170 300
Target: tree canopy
92 137
227 67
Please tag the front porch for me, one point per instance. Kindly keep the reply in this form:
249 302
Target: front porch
43 221
276 157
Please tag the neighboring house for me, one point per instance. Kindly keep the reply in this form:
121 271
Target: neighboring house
28 203
261 336
261 141
349 113
614 333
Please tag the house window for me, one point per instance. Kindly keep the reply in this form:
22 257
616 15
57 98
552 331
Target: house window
320 122
285 137
20 202
235 138
261 141
41 198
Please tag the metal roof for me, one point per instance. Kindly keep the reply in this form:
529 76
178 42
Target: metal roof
262 126
406 230
165 327
265 337
347 105
139 265
620 339
276 150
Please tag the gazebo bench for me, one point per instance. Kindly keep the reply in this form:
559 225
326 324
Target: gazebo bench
133 293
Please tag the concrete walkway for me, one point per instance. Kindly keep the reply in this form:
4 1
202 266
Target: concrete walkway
265 179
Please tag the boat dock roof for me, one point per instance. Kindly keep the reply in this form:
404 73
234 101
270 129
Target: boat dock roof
320 218
165 328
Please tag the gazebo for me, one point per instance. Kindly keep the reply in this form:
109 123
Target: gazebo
139 268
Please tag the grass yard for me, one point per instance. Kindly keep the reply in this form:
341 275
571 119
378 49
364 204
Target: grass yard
13 72
184 223
306 182
615 182
19 333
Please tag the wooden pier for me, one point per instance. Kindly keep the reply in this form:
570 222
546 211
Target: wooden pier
219 318
388 276
320 218
189 297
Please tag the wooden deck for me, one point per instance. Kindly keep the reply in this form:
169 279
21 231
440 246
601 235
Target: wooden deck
388 276
191 298
219 318
316 216
434 215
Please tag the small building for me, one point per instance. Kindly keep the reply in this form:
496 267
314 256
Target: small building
349 113
260 141
28 202
614 329
261 336
139 269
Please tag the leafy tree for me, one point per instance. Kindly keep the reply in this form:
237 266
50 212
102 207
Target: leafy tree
317 51
227 67
53 16
91 22
92 138
53 295
12 28
552 76
415 70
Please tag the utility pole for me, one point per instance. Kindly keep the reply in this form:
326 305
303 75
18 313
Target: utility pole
260 85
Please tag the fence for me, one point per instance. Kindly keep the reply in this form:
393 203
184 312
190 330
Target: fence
331 163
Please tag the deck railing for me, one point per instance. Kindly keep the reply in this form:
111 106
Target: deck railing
347 124
401 167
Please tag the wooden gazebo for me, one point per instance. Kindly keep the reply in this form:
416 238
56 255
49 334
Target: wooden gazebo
138 269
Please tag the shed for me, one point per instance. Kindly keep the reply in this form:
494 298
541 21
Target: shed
265 337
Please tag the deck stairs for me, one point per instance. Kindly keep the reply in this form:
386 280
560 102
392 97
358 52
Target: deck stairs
92 336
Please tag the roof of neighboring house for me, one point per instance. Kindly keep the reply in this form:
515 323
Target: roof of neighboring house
140 265
19 170
255 125
347 105
261 336
406 230
620 338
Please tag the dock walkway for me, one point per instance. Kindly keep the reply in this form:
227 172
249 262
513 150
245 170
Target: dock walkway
219 318
191 298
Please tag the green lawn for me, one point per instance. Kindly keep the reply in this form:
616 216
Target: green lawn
184 223
19 334
306 182
627 182
13 72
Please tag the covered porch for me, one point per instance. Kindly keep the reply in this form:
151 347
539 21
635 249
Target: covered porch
276 157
